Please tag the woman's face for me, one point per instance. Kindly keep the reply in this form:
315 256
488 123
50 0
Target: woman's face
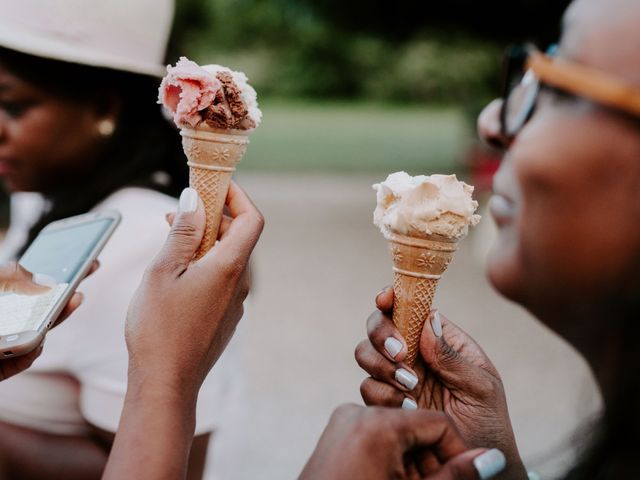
45 141
567 195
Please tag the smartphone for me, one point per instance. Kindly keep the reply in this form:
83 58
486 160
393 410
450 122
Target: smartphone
65 250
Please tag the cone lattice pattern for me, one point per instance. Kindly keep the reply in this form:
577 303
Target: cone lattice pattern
410 311
212 187
418 265
213 156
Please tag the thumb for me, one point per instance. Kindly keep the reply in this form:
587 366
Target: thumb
185 234
453 356
478 464
15 278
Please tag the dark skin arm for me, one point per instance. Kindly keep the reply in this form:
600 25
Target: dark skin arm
197 456
30 455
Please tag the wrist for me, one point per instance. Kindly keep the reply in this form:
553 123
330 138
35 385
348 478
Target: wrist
158 423
156 388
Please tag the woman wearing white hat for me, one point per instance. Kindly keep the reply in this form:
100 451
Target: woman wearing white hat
80 126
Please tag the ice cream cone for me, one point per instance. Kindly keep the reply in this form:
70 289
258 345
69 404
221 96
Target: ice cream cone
212 158
418 265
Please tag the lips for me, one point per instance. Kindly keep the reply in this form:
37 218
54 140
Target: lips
502 209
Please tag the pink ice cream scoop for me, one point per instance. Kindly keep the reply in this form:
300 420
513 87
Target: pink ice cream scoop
186 90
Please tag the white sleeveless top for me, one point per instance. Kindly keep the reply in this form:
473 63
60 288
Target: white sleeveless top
81 377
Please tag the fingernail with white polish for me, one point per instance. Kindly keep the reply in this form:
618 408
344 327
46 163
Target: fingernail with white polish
44 280
392 346
408 404
436 324
188 201
406 378
490 463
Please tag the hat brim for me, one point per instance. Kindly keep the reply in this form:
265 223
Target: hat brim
63 50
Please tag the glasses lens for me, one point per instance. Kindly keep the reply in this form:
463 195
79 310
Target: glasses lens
520 102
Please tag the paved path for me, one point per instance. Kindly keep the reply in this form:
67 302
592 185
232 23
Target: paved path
317 269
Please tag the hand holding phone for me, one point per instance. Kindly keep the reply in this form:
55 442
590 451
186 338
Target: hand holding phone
15 278
64 251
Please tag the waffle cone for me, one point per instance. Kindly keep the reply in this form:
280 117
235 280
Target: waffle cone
212 158
418 264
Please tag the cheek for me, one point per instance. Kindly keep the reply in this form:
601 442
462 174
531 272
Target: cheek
59 135
49 141
576 231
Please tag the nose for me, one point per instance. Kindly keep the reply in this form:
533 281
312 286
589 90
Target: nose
489 125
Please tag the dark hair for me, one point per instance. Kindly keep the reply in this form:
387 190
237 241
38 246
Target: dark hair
144 151
613 453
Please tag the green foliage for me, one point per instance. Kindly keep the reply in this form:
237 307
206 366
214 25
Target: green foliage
348 136
289 51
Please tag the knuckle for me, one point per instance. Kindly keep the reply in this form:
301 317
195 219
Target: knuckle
232 267
378 329
244 288
379 394
372 362
344 412
158 268
183 229
447 354
487 387
360 352
365 392
374 422
260 221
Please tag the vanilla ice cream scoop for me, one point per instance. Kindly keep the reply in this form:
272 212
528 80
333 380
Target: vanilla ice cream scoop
425 205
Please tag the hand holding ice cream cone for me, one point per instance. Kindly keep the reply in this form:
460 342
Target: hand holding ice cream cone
215 109
423 218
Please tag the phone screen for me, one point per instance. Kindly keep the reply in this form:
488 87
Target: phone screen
59 253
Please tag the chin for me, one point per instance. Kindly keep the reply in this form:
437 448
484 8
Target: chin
13 185
508 275
8 185
504 270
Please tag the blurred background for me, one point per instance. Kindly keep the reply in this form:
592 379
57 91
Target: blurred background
352 91
330 73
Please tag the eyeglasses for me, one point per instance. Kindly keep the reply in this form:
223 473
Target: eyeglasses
527 69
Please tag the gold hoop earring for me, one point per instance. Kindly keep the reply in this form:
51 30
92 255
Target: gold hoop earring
106 127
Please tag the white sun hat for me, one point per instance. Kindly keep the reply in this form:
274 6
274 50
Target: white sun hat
129 35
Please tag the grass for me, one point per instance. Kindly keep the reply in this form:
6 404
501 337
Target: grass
356 137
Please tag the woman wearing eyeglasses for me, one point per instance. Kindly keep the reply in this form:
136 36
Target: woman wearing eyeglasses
567 205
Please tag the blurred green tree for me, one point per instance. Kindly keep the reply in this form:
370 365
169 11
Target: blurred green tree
362 49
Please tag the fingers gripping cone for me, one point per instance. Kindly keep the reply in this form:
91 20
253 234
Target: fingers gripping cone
212 158
418 264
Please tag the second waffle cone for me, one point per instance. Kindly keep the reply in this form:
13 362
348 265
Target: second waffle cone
418 264
212 158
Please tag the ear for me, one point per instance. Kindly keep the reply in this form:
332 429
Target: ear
107 105
105 110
